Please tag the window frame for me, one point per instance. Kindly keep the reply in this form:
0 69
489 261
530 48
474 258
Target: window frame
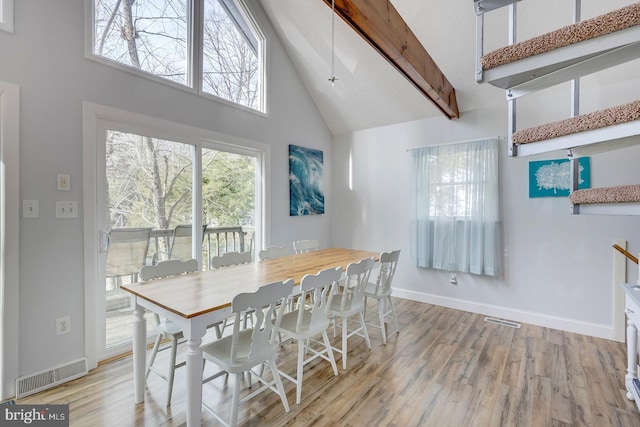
96 118
468 241
9 236
261 53
194 55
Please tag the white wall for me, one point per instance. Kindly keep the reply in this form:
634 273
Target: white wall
45 57
558 267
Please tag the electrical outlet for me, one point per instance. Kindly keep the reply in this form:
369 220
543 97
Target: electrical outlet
453 279
63 325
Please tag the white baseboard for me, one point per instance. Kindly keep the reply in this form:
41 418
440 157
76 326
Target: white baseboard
554 322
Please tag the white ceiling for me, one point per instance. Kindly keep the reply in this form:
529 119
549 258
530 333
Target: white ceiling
369 91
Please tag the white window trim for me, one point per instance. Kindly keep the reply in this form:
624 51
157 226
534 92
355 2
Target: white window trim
94 118
196 53
6 15
9 237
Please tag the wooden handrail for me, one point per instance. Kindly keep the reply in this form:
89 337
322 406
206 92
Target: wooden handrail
626 253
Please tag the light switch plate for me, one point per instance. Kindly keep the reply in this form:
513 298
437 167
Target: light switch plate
66 209
30 209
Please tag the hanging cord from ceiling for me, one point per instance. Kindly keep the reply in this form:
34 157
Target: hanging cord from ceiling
333 77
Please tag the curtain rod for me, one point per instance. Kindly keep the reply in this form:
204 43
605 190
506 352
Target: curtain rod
499 138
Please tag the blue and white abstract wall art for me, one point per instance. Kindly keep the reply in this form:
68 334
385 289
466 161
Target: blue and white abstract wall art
306 172
552 178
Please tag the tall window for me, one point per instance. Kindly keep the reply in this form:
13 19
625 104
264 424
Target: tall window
455 212
230 55
164 37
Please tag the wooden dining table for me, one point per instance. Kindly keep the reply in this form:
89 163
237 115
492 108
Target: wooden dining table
196 300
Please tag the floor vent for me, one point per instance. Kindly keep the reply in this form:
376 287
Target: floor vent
43 380
502 322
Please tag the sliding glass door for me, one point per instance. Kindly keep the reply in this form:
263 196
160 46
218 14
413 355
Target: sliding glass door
160 198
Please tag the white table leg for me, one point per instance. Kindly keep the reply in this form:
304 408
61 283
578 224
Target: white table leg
194 359
139 351
632 357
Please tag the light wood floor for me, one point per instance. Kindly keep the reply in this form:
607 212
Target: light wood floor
445 368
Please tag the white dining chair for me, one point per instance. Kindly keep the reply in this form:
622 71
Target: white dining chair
348 301
166 329
227 260
380 290
304 246
248 348
310 320
273 252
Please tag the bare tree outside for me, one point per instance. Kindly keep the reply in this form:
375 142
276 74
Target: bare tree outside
230 64
150 184
149 179
152 35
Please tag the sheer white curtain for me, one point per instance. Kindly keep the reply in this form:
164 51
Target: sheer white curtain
455 209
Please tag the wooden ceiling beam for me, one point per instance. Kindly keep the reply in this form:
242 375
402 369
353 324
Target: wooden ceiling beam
380 24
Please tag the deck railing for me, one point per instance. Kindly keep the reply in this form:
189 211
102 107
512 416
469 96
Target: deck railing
216 241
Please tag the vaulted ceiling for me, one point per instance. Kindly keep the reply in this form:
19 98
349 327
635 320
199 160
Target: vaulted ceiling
369 91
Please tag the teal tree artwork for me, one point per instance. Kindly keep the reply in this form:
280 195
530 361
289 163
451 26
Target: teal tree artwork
552 178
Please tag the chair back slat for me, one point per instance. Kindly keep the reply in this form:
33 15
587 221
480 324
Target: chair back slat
230 258
304 246
273 252
268 303
317 287
357 278
167 268
388 264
